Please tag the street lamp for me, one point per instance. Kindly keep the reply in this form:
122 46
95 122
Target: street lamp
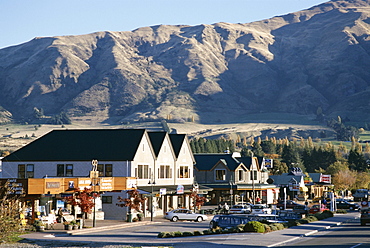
252 177
152 183
94 175
231 182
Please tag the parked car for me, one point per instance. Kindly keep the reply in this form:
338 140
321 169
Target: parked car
365 217
301 209
184 214
260 209
317 208
289 204
272 218
225 221
289 215
343 204
241 209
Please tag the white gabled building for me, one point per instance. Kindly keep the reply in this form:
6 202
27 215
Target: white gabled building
156 161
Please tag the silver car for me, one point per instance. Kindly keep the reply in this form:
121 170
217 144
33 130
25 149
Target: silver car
184 214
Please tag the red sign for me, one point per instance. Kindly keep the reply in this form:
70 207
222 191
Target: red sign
325 178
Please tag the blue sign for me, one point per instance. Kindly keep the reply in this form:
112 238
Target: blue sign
180 189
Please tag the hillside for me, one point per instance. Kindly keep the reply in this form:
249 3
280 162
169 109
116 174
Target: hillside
215 73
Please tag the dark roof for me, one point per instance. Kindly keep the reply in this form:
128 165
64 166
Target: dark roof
82 145
177 140
208 161
284 179
157 138
247 161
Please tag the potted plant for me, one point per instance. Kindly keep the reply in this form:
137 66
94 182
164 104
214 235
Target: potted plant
135 219
140 216
68 225
74 225
40 226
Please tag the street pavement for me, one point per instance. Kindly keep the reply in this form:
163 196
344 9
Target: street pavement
98 237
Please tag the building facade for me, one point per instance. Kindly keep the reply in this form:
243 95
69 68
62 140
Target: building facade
155 163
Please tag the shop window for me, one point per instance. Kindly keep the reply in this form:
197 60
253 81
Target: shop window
106 199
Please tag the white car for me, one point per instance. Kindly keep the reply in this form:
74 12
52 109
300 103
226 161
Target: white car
240 209
261 209
184 214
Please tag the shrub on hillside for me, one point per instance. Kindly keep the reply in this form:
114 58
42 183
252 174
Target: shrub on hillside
254 226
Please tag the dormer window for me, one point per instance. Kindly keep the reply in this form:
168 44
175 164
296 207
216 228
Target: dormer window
220 175
240 175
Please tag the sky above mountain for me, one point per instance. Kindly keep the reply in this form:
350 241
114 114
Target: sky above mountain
22 20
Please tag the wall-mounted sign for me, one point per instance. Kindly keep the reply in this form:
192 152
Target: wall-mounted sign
163 191
180 189
52 185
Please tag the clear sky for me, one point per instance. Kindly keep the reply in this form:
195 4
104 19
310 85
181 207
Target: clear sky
22 20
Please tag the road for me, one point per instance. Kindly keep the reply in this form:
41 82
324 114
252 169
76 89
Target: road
349 235
146 235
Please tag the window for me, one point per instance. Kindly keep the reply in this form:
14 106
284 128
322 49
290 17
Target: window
240 175
106 199
105 170
253 175
220 175
165 171
184 172
65 170
26 171
142 171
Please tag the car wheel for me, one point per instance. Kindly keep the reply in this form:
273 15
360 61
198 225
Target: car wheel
212 224
281 208
199 219
175 218
350 208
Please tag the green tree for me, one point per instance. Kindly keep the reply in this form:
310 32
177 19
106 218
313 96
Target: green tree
357 161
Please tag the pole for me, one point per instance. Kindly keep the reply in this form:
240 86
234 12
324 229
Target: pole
94 214
151 204
253 190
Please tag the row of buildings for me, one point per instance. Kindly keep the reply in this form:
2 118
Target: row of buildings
160 165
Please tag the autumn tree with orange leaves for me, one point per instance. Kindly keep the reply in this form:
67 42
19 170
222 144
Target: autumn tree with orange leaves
134 201
198 201
84 199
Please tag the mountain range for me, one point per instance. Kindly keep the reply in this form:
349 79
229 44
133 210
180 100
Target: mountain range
297 63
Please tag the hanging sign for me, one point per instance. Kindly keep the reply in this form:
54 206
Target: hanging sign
180 189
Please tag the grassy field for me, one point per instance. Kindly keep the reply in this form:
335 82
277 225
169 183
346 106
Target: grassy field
14 136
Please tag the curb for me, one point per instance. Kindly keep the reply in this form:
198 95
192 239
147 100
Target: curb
104 228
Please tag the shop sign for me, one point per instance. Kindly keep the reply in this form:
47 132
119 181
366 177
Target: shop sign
180 189
52 185
163 191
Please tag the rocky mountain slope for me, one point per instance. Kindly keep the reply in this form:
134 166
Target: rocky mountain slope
294 63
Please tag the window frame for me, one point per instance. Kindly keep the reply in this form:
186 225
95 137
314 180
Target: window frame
142 171
65 170
183 171
223 175
165 172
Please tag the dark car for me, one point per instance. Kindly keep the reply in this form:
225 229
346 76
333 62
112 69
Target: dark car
301 209
289 204
342 204
225 221
365 217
